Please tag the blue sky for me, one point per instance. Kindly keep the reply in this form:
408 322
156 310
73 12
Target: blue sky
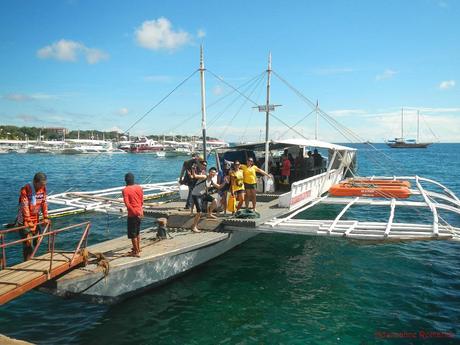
102 65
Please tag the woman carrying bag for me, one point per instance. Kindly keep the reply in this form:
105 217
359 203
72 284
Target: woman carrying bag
236 187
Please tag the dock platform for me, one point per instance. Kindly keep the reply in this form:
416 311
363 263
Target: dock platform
18 279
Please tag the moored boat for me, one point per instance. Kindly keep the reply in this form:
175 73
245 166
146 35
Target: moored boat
404 143
278 204
145 145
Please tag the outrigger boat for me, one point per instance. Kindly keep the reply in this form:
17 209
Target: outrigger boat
110 276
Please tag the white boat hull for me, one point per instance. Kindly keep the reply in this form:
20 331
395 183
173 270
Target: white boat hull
144 273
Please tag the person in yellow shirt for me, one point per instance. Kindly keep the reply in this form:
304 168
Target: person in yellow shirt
250 181
237 184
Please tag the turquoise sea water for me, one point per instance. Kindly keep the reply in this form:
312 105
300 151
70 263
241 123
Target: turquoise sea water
273 289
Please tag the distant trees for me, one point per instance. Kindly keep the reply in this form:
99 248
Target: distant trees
33 133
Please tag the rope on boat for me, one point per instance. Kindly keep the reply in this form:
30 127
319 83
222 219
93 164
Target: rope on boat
101 261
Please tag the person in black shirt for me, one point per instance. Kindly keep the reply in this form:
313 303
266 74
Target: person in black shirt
318 159
186 176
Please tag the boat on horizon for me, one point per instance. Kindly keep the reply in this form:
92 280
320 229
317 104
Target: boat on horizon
404 143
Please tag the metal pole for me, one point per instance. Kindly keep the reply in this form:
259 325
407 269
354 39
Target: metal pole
402 123
316 126
3 252
267 114
203 101
418 125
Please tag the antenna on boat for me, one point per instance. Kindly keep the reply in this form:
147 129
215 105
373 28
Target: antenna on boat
317 119
203 101
266 108
267 113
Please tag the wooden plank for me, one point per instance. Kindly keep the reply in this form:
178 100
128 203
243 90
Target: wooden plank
24 269
19 275
9 292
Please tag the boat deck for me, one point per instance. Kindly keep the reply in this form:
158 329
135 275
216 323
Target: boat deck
178 217
115 251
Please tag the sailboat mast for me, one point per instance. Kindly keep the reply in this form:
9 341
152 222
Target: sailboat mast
316 125
402 123
418 125
267 113
203 101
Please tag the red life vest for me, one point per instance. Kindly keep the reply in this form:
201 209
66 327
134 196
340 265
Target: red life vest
31 203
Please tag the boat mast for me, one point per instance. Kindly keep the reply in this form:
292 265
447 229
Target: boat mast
316 125
203 101
402 123
267 113
418 125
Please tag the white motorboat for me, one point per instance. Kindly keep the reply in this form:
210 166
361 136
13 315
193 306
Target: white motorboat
177 149
145 145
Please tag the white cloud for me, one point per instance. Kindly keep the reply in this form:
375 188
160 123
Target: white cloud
123 111
94 55
201 33
218 90
158 78
22 97
27 118
346 112
333 70
447 84
115 129
70 51
158 34
387 74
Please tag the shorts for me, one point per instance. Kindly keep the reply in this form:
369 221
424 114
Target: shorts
134 226
238 192
200 200
250 185
224 189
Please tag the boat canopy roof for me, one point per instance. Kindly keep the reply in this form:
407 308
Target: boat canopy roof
281 144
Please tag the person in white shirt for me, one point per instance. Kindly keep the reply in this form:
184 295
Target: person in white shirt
201 194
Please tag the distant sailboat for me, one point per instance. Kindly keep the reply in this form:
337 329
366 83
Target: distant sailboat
403 143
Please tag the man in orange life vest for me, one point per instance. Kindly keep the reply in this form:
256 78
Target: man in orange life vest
32 200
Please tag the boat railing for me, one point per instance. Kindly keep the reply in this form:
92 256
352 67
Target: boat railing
306 190
51 235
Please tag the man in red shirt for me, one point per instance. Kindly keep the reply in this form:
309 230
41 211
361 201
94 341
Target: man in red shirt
133 196
32 200
285 170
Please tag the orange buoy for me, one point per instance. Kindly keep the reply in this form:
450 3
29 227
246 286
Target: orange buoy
377 191
379 182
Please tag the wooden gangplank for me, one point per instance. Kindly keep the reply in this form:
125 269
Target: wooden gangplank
18 279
